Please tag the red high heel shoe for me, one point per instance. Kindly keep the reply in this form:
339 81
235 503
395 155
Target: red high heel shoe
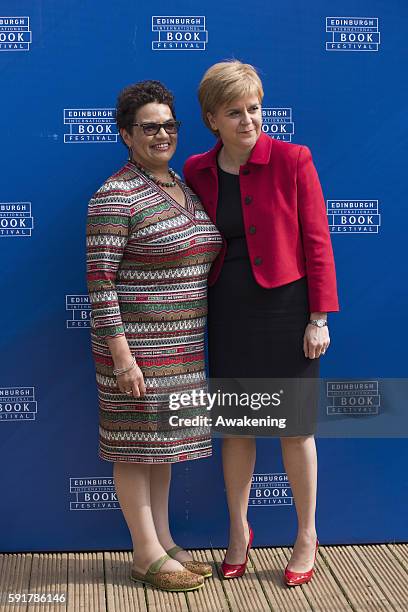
235 571
295 578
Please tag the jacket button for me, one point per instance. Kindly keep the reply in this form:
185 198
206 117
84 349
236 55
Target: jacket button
248 199
245 171
252 229
258 261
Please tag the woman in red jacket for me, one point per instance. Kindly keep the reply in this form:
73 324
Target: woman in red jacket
270 290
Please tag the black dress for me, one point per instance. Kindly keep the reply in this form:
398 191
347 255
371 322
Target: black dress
255 337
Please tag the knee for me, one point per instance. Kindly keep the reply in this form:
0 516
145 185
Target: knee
295 440
238 441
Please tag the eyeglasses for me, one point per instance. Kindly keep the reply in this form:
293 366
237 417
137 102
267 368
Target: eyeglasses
151 129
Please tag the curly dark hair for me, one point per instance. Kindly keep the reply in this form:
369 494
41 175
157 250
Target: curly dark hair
137 95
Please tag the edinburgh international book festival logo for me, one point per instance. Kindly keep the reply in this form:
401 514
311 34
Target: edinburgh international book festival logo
16 219
17 404
93 493
78 308
270 490
90 125
352 397
352 34
278 123
353 216
179 33
15 34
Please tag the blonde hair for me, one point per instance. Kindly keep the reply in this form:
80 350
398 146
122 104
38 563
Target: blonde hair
224 82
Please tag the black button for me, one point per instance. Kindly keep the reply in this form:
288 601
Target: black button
252 229
248 199
245 171
258 261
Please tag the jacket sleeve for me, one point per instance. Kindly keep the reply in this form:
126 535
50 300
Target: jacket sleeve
320 267
107 232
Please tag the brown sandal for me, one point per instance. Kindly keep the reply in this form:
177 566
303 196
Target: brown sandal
197 567
168 581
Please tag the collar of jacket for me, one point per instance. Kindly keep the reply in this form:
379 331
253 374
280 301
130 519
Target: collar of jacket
260 154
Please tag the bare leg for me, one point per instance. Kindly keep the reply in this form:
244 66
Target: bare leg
300 460
159 495
238 456
132 483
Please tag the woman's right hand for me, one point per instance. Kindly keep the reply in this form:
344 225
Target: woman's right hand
132 382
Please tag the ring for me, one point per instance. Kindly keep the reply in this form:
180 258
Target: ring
323 352
128 392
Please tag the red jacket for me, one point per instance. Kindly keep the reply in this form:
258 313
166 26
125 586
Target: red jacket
284 215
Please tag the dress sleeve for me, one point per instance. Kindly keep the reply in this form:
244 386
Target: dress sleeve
320 268
107 231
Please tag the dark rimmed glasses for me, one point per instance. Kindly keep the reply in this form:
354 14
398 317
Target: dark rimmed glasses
151 129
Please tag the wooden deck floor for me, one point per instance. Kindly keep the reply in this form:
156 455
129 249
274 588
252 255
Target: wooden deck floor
370 577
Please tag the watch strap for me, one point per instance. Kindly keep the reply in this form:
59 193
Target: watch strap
318 322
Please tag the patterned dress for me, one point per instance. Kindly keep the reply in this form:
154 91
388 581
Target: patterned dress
148 260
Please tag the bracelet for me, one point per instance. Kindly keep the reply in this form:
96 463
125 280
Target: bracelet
119 371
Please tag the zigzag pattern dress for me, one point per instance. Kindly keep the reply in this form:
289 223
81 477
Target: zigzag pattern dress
148 259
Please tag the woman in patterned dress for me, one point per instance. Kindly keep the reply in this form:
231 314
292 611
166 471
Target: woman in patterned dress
150 246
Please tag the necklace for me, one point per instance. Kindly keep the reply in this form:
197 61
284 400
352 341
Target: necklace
149 175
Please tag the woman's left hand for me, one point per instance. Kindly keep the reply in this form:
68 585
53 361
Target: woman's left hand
315 341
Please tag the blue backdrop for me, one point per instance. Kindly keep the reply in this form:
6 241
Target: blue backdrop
332 75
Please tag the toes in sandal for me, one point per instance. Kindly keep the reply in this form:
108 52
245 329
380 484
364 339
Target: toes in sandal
197 567
168 581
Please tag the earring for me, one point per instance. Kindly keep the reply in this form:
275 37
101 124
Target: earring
130 154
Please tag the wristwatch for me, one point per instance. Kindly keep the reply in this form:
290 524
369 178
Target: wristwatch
318 322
